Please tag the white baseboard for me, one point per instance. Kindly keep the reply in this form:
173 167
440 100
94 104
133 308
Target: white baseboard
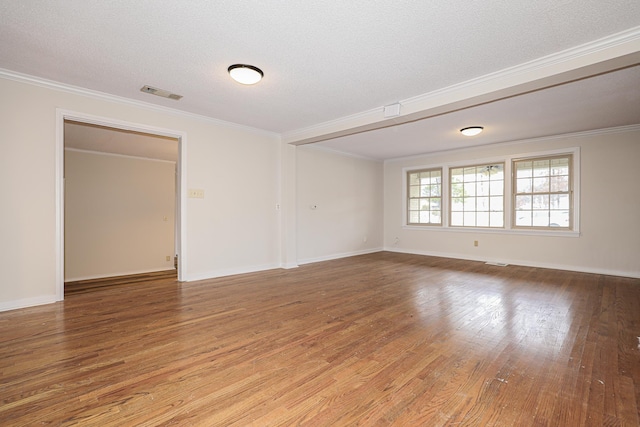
524 263
340 255
229 272
27 302
289 266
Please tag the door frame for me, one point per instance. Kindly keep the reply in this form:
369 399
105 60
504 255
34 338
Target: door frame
181 187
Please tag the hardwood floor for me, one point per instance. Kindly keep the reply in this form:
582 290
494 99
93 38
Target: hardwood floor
91 285
380 339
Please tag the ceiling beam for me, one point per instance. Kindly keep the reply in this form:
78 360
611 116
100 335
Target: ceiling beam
608 54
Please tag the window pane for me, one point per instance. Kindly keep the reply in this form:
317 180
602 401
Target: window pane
457 190
524 218
497 172
496 219
559 219
414 191
524 169
540 218
482 204
496 188
424 217
482 189
541 168
470 219
482 219
414 217
434 204
469 174
559 183
524 185
414 179
456 175
469 189
424 204
496 203
559 201
413 204
456 218
523 202
541 201
457 204
560 166
541 185
435 217
469 204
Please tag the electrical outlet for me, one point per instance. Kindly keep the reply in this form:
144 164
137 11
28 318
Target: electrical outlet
195 193
475 243
168 258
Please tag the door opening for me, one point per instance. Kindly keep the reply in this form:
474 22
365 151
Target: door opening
127 141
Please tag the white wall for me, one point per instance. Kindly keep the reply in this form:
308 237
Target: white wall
610 210
119 215
235 228
347 195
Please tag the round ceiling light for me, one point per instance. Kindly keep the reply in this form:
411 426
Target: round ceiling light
245 74
471 130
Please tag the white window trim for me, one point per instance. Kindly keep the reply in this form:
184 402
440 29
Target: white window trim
508 188
442 205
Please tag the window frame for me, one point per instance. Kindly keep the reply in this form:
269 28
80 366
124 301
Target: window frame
509 221
569 192
408 198
451 183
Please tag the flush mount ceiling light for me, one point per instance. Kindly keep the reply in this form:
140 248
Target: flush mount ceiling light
471 130
245 74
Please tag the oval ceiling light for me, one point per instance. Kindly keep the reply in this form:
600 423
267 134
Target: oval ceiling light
245 74
471 130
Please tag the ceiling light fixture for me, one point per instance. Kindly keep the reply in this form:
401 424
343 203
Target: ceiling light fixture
471 130
245 74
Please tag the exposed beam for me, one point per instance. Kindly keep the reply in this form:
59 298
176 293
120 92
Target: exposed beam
601 56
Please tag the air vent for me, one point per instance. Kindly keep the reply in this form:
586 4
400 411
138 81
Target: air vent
160 92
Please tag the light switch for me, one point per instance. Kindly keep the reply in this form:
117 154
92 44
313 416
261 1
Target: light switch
195 193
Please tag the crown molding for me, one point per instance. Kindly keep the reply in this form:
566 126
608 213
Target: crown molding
600 56
76 90
581 134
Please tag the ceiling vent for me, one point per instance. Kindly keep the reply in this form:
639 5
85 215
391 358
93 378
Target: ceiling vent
160 92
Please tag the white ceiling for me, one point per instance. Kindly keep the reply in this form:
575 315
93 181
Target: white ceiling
329 61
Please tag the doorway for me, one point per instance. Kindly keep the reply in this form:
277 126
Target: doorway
126 150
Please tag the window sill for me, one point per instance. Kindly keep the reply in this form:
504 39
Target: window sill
519 232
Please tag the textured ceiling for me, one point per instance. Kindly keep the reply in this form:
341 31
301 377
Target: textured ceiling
322 60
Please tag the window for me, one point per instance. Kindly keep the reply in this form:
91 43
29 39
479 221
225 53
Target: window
425 197
537 193
477 196
543 192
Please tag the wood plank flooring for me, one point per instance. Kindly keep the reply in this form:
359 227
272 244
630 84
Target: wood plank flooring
374 340
90 285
